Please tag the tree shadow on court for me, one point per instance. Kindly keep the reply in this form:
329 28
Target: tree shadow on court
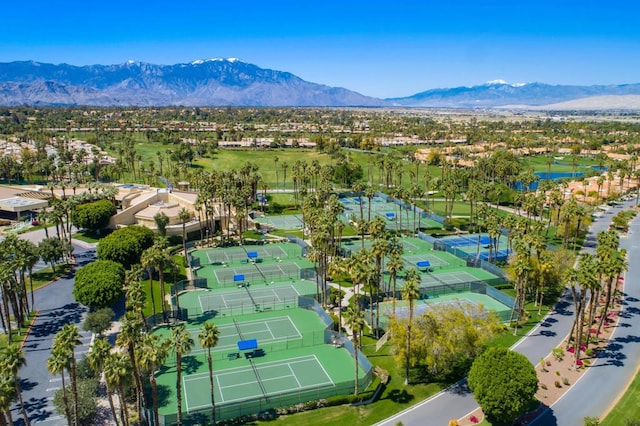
190 365
164 393
400 396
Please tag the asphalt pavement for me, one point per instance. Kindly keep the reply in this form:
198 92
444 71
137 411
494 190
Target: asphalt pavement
598 389
56 307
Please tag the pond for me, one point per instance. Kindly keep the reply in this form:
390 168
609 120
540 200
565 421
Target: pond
548 176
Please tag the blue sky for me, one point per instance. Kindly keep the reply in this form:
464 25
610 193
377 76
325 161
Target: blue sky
383 49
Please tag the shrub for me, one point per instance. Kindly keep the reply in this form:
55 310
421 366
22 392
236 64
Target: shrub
98 321
503 382
125 245
558 353
84 370
558 384
543 386
99 284
542 364
93 216
565 381
591 421
87 400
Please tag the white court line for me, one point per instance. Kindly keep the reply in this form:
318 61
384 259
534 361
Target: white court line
276 295
294 376
186 398
219 388
269 330
323 370
295 328
265 322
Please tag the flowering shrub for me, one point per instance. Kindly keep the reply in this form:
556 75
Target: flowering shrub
474 420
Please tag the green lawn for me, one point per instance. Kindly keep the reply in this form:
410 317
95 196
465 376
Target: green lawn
46 275
627 410
539 164
170 279
90 237
15 338
230 159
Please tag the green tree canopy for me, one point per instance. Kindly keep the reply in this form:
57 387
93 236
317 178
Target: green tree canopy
51 250
446 338
125 245
98 321
504 383
93 216
99 284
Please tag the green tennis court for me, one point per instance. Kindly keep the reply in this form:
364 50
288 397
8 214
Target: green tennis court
290 221
257 272
434 260
446 278
246 383
260 298
466 300
242 253
396 217
267 331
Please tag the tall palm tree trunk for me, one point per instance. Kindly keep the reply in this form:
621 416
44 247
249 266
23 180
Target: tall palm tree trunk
23 411
123 406
112 406
213 400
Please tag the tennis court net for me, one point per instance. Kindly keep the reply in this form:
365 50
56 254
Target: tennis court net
257 272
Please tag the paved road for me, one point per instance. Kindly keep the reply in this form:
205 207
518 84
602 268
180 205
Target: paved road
616 365
457 401
56 307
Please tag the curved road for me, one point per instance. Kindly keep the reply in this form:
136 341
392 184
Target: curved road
56 307
599 386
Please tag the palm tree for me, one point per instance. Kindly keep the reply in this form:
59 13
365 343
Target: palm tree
97 355
410 292
68 339
208 337
7 395
136 298
117 371
56 364
184 215
148 261
11 360
394 265
151 354
354 319
181 342
129 338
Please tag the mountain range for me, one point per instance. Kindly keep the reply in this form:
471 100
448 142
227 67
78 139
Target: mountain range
232 82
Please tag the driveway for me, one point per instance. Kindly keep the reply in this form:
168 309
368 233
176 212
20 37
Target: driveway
56 307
